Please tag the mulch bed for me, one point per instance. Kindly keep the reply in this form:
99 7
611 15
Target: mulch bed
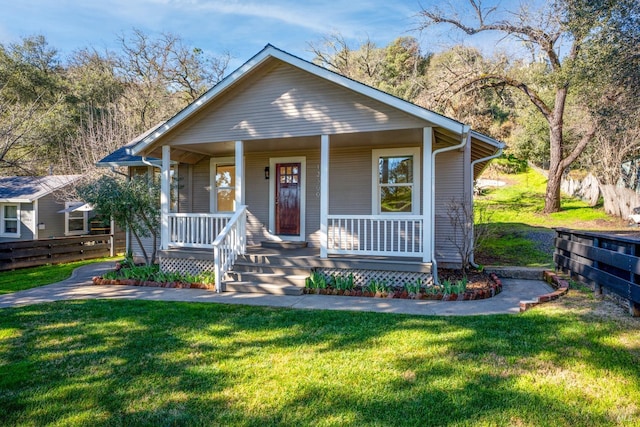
480 286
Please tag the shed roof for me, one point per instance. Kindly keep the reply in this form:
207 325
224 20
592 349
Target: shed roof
26 189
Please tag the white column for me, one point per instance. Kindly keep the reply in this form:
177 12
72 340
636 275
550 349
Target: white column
165 196
427 193
239 173
324 194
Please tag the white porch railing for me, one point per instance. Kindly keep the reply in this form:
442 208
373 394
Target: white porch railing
398 235
230 243
195 230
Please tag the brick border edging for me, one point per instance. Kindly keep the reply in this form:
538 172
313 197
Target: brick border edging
97 280
561 287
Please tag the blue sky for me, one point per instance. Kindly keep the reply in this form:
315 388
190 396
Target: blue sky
241 28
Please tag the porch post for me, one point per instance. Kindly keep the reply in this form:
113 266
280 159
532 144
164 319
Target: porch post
240 191
239 173
324 195
427 193
165 197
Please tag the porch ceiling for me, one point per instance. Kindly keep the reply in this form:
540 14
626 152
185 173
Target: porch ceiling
193 153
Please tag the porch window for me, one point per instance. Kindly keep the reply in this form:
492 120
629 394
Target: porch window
75 221
223 194
396 181
10 220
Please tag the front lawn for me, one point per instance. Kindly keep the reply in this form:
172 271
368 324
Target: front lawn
25 278
168 363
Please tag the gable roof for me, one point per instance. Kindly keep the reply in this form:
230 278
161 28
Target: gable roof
269 52
26 189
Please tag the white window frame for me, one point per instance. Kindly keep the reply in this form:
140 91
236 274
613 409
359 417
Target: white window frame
213 189
375 184
67 216
3 219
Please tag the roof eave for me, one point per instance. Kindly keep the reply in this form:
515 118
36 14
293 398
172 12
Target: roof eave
18 200
487 139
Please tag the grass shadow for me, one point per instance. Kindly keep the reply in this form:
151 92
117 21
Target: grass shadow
142 363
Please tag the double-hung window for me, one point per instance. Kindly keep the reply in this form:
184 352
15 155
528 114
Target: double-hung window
75 221
10 220
396 183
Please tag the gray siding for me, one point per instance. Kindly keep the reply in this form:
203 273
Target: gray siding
147 242
27 221
350 181
286 102
450 186
185 185
201 186
48 208
257 197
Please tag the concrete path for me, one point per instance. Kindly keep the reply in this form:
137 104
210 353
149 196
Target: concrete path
80 286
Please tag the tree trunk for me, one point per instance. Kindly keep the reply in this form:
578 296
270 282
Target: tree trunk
552 195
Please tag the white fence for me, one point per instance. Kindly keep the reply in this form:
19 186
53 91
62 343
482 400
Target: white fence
195 230
375 235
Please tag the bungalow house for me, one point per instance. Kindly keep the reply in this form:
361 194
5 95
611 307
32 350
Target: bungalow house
30 210
286 154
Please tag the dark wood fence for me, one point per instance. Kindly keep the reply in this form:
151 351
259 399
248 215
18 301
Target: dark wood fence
607 260
33 253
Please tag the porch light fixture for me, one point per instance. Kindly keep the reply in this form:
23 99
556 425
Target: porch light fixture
266 172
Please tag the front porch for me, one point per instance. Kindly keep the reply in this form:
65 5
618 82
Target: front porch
279 270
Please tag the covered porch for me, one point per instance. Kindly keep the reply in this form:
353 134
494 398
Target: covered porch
334 216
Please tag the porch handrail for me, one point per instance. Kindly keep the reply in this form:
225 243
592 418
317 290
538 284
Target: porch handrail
195 230
230 243
388 235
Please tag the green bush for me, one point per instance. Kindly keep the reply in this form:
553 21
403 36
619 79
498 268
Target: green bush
509 164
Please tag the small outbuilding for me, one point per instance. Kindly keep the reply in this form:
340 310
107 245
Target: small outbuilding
31 209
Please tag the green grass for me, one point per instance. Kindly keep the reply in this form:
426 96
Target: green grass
514 211
26 278
110 363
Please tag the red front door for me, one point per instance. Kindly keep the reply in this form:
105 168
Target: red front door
288 199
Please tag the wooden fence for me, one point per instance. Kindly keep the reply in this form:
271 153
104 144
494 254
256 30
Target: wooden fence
33 253
607 260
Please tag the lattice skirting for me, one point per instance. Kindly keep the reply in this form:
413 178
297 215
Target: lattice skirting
391 278
185 266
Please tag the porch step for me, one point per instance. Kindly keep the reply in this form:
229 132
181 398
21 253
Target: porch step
262 288
242 266
267 278
272 244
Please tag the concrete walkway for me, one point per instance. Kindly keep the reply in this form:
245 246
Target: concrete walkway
80 286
